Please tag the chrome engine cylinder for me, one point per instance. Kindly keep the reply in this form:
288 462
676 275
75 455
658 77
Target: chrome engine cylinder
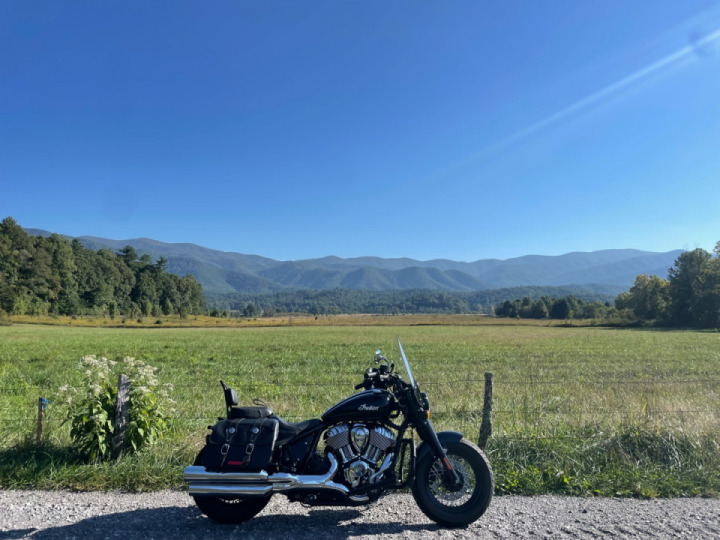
364 451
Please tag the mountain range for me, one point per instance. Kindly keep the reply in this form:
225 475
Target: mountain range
220 272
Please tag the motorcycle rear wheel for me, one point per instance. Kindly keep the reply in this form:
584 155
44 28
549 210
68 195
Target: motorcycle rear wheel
229 509
455 507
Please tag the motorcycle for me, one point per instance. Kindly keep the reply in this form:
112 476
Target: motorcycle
360 448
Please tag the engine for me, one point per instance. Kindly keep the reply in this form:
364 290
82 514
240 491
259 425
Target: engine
364 451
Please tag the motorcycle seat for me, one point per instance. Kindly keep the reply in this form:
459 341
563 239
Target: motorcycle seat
288 430
250 412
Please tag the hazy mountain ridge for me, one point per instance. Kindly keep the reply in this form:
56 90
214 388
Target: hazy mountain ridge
222 272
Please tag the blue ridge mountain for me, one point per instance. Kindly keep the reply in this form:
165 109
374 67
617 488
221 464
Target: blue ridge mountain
222 272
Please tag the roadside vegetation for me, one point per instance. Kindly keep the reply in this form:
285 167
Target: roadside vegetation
590 411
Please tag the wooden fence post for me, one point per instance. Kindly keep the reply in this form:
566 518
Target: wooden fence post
486 425
41 408
121 416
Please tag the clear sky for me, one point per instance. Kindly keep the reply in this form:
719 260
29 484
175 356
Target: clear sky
426 129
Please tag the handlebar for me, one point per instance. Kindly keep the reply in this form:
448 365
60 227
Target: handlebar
380 377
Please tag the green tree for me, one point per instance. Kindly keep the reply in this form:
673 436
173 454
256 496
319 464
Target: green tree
685 283
37 275
539 310
63 261
649 297
129 255
594 310
161 265
166 306
144 290
251 310
705 303
561 309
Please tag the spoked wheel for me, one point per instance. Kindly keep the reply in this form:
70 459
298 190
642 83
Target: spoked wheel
229 509
454 506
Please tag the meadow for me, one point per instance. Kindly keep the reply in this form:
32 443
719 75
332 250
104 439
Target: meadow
587 410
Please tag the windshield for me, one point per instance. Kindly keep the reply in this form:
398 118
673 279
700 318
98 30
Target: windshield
407 364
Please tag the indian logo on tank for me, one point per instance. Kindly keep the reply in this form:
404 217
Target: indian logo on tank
365 407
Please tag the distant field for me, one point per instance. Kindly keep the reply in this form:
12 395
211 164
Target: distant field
562 395
300 319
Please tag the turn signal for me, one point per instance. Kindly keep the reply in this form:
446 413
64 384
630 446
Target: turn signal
428 415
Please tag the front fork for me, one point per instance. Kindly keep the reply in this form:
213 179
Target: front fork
427 433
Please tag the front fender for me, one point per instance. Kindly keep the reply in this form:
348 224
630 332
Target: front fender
445 437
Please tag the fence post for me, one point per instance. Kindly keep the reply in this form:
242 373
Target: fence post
121 416
41 407
486 425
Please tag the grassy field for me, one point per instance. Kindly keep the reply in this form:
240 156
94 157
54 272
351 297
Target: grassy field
576 410
286 320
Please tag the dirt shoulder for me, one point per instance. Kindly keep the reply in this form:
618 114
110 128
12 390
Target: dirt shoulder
170 514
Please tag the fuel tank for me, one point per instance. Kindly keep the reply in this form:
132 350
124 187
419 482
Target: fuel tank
369 405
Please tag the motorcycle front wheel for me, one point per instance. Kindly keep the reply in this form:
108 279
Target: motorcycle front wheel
448 506
228 509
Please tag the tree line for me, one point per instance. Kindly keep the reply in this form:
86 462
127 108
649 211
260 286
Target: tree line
50 275
569 307
391 302
689 297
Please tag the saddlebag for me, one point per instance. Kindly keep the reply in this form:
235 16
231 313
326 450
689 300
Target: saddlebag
240 444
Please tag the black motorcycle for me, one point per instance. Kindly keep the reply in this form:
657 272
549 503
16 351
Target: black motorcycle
358 450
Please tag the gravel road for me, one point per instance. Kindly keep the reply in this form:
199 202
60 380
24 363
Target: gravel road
171 514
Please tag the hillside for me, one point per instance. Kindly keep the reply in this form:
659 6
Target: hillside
225 272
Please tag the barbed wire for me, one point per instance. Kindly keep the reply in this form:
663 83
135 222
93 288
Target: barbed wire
527 414
521 382
459 414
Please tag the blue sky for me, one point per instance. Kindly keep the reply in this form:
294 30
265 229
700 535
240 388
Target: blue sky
424 129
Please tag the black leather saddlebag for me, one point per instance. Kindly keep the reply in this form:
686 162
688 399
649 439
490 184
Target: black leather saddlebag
240 444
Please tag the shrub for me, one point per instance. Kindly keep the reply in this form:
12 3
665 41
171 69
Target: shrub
91 409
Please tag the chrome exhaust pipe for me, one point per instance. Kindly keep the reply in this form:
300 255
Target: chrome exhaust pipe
238 490
258 484
198 473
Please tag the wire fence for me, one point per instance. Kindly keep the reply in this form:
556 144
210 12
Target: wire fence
519 382
532 408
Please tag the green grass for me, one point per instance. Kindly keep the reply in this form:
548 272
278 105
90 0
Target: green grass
576 410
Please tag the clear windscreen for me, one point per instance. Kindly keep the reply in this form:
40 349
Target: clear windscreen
407 364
